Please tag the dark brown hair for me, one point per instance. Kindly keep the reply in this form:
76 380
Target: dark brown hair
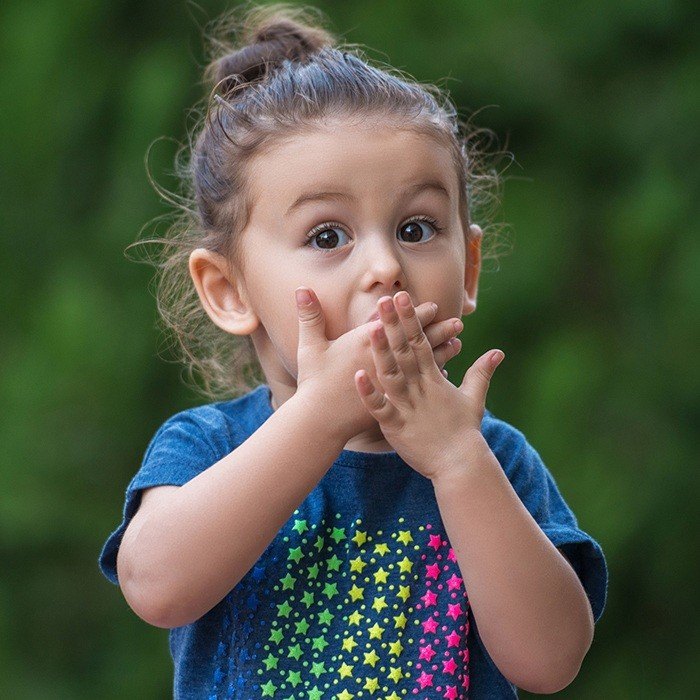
274 73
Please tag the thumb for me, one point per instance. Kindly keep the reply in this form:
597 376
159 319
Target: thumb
478 377
312 324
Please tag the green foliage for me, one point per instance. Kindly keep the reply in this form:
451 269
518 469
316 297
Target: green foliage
596 307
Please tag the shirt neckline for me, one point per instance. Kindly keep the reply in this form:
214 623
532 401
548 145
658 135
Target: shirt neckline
261 397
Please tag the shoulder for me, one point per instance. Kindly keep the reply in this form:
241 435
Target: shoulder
216 427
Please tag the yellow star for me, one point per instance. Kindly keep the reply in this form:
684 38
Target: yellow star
360 538
371 658
381 549
395 647
393 696
375 631
357 564
404 536
380 603
356 593
349 643
345 670
345 695
380 575
400 620
354 618
404 593
372 684
405 565
395 674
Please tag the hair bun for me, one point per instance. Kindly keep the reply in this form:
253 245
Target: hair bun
268 35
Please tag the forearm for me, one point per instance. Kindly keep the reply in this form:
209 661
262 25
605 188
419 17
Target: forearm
191 552
530 608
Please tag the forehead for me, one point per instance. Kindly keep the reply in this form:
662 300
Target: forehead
363 160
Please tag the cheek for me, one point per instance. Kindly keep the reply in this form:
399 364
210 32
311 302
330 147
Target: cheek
448 290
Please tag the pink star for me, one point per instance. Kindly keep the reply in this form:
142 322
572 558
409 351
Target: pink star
435 542
427 653
454 611
429 598
454 582
449 666
451 693
452 639
433 570
452 556
425 679
429 625
465 681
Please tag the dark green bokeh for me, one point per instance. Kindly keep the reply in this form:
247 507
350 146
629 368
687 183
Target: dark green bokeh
595 306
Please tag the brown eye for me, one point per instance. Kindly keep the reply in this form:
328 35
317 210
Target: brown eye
414 229
325 235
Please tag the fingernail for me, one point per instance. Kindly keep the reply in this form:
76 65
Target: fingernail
459 326
404 299
496 358
303 297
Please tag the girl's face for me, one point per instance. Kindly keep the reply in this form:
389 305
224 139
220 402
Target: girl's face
352 213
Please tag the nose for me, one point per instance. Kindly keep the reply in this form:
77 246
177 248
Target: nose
383 263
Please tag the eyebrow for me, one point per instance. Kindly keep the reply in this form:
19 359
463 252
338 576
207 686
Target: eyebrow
306 197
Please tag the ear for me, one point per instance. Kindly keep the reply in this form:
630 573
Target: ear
472 269
222 293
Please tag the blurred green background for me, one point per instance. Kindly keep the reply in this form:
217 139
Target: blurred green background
595 304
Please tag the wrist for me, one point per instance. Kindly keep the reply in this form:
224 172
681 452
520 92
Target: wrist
312 402
467 455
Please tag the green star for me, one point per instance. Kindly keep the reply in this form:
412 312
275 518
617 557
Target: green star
338 534
295 554
313 571
325 617
276 636
269 689
302 626
319 542
320 643
315 693
334 563
300 526
294 678
284 609
295 652
287 581
318 668
270 662
330 589
308 598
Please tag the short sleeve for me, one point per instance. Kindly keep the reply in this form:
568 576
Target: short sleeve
178 451
538 491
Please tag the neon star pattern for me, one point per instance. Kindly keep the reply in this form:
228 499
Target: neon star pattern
336 611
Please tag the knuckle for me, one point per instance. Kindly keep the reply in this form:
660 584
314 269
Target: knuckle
393 371
403 349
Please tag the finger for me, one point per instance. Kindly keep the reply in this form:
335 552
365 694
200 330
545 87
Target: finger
375 401
403 351
447 351
442 331
478 376
416 338
389 373
426 312
312 323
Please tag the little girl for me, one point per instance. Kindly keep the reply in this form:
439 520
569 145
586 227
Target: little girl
356 526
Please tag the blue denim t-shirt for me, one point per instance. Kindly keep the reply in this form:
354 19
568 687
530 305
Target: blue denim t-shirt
360 593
